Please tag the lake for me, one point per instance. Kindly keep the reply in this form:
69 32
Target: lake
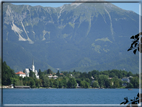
67 96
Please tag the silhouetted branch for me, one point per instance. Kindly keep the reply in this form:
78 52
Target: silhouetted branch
136 44
133 102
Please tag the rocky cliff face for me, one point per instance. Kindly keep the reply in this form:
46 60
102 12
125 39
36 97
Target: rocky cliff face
81 36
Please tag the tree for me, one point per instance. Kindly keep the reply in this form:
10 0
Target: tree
107 83
112 75
135 82
129 74
84 84
87 80
49 71
74 71
32 83
136 44
60 84
32 74
95 84
78 80
26 81
51 82
46 82
117 83
64 82
19 83
8 73
103 81
37 82
56 83
16 81
130 85
39 72
41 75
58 73
72 83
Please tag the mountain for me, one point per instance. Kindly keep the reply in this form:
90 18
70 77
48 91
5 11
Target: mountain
80 36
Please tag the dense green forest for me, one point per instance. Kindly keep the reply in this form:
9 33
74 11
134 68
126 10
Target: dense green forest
91 79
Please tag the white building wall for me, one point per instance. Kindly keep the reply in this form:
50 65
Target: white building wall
27 72
22 75
33 68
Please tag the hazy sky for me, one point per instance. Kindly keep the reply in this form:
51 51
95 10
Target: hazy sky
127 6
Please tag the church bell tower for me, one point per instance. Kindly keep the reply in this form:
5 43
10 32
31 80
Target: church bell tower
33 67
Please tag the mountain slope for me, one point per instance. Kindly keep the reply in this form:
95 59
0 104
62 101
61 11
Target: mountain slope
84 37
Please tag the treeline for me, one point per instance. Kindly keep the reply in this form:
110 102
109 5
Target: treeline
94 79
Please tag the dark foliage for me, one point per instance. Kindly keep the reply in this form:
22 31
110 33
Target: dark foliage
7 74
49 71
133 102
136 44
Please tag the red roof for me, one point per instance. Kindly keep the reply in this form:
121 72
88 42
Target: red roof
20 72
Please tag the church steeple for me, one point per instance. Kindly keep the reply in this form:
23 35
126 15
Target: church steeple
33 67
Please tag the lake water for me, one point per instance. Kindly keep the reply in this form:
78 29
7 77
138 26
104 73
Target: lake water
67 96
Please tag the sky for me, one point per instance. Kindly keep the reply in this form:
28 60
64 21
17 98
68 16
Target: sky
124 5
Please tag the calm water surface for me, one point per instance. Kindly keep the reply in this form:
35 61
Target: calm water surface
67 96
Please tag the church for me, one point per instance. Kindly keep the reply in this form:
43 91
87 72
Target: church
27 71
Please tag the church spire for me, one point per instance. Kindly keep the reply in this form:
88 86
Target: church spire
33 67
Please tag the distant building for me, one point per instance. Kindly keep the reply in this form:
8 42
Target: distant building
27 71
92 77
77 86
11 86
126 80
21 74
51 76
55 77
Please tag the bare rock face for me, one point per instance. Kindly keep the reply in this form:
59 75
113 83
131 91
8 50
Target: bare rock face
80 36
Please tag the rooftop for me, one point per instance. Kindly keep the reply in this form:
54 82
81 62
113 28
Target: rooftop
20 72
